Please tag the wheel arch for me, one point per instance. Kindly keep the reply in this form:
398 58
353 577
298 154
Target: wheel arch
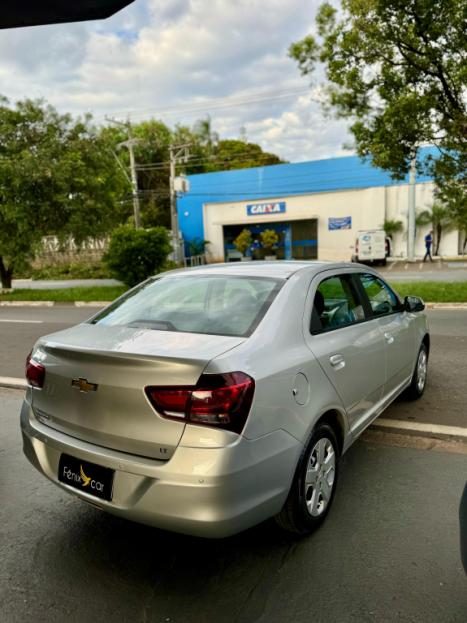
426 341
337 422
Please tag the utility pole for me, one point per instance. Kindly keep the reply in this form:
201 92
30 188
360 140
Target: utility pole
411 212
178 154
129 144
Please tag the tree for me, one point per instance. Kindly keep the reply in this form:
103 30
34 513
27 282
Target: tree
440 219
207 153
56 177
398 69
392 227
243 241
136 254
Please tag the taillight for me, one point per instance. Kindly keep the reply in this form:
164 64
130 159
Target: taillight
35 372
220 400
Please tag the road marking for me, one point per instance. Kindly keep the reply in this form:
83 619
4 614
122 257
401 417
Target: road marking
391 266
12 383
434 430
22 321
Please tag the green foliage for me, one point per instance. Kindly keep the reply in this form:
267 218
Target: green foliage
84 270
269 239
392 227
197 246
56 177
243 241
207 153
434 291
398 70
440 219
136 254
65 295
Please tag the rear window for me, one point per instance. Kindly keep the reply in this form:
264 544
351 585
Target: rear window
216 305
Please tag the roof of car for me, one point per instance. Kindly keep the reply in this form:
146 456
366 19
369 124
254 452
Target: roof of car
279 268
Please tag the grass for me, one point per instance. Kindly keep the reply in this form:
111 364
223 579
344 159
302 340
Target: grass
429 291
66 295
434 291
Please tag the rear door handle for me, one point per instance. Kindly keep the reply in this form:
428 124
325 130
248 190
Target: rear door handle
389 338
337 362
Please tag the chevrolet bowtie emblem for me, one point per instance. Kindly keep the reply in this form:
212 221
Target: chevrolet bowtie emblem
84 385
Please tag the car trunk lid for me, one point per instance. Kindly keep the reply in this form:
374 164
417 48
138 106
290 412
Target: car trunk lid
95 379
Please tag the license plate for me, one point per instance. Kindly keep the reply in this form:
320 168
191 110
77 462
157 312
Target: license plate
87 477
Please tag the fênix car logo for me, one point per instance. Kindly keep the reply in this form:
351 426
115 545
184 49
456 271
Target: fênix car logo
85 479
84 385
82 478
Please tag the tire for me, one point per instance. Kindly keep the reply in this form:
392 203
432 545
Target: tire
306 506
418 383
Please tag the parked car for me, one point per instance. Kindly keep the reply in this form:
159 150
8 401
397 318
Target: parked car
372 246
207 400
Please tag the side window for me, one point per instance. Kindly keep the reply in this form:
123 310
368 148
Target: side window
336 304
382 299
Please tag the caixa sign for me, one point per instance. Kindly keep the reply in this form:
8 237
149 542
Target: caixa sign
255 209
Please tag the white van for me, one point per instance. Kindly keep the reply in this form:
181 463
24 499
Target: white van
371 246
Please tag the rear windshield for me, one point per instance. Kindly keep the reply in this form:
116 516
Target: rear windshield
217 305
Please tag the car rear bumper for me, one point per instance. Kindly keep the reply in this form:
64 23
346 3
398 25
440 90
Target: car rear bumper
209 492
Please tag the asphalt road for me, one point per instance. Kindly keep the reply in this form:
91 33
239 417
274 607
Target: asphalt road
424 271
444 401
388 552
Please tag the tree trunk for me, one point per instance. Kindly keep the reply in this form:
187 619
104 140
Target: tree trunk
439 231
5 275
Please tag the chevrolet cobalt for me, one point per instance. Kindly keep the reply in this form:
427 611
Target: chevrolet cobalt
207 400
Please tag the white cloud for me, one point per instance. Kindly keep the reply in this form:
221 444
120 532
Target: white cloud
156 55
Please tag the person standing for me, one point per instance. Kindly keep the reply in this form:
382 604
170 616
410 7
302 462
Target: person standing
428 243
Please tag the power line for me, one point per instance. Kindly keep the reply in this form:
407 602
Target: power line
220 103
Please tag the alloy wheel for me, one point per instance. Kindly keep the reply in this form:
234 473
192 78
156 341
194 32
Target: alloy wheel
421 370
320 476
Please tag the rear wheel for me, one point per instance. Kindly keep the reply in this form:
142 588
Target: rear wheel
418 383
314 484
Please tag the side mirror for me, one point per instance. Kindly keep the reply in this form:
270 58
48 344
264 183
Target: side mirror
413 304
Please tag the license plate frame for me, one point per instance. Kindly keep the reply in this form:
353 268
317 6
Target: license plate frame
86 477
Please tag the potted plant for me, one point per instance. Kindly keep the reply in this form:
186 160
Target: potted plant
243 242
269 240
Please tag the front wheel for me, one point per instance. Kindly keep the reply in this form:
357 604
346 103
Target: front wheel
418 383
314 484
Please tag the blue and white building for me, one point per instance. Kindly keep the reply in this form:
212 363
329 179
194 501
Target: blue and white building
316 207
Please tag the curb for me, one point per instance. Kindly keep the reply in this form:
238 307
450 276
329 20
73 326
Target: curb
54 303
419 429
12 382
446 305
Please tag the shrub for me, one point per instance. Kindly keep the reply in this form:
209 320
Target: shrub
136 254
197 246
269 239
243 241
84 270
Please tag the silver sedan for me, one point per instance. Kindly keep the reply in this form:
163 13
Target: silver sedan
207 400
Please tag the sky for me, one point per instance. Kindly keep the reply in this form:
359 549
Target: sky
179 61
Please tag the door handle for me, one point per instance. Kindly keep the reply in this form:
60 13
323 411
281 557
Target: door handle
337 362
389 338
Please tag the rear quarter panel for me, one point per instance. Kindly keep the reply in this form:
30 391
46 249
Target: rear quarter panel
273 356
